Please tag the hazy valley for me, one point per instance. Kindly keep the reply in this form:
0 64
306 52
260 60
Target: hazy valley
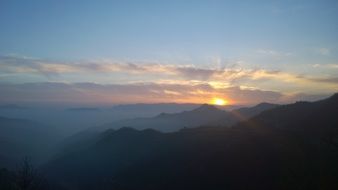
205 147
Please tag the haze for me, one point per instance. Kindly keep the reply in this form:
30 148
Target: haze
168 95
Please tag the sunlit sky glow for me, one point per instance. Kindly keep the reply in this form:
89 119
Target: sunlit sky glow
219 101
99 52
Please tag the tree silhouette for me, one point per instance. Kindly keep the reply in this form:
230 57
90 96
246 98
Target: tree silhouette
28 178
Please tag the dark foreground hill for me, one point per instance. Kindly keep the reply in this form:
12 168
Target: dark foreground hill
289 147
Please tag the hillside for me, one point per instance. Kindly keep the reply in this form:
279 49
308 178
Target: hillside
274 150
205 115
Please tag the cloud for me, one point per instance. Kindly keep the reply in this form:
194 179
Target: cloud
323 51
15 64
191 72
10 64
303 97
20 64
91 93
274 53
327 66
333 80
155 72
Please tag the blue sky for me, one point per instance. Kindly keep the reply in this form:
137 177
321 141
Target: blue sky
147 29
60 41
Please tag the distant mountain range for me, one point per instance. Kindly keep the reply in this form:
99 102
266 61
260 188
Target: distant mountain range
289 146
159 107
83 109
200 116
12 107
24 137
267 146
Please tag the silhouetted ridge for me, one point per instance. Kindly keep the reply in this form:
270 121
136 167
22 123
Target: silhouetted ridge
265 104
334 97
248 112
206 107
83 109
313 118
204 115
287 146
163 114
128 132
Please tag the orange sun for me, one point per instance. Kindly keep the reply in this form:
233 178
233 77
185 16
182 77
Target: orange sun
219 102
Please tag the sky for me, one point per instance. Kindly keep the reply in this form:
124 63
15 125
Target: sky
112 52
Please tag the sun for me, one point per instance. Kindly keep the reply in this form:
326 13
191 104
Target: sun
219 102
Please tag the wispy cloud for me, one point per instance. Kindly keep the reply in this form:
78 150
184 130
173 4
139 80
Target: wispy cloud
14 64
155 72
328 66
323 51
333 80
271 52
91 93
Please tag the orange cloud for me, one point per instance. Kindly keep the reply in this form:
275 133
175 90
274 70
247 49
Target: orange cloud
155 72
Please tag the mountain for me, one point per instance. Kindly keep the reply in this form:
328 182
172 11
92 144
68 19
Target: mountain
200 116
169 122
104 155
248 112
204 115
154 108
315 120
11 107
83 109
20 138
287 147
300 114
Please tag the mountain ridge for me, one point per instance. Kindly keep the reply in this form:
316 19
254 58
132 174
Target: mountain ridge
203 115
217 157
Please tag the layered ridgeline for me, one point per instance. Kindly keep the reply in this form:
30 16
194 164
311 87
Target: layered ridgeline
27 138
291 146
71 119
205 115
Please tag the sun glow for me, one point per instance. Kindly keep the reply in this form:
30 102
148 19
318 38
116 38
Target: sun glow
219 102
